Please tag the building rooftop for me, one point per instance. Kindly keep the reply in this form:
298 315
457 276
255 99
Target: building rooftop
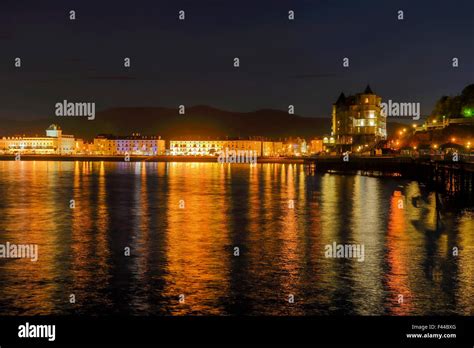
368 90
128 137
54 127
341 99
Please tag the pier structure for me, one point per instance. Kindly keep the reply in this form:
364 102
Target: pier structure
444 174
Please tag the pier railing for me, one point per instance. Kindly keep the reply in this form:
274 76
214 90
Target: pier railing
447 175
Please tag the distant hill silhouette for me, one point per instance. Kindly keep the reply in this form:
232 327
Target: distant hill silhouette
199 121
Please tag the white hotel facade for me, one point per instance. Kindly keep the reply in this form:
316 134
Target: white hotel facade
213 147
135 144
53 143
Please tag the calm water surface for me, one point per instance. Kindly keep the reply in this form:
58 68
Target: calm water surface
183 220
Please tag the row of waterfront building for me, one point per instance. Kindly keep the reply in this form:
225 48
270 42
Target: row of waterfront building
57 143
357 121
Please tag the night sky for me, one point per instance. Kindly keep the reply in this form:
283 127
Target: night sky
282 62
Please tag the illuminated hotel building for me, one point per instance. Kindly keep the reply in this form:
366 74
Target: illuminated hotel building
358 120
134 144
316 146
295 147
53 143
272 148
213 147
82 147
244 145
195 147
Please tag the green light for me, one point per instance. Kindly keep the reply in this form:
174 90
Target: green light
468 112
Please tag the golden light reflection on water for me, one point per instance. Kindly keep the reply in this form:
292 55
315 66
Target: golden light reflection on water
291 233
400 295
366 217
183 221
466 266
82 223
198 246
